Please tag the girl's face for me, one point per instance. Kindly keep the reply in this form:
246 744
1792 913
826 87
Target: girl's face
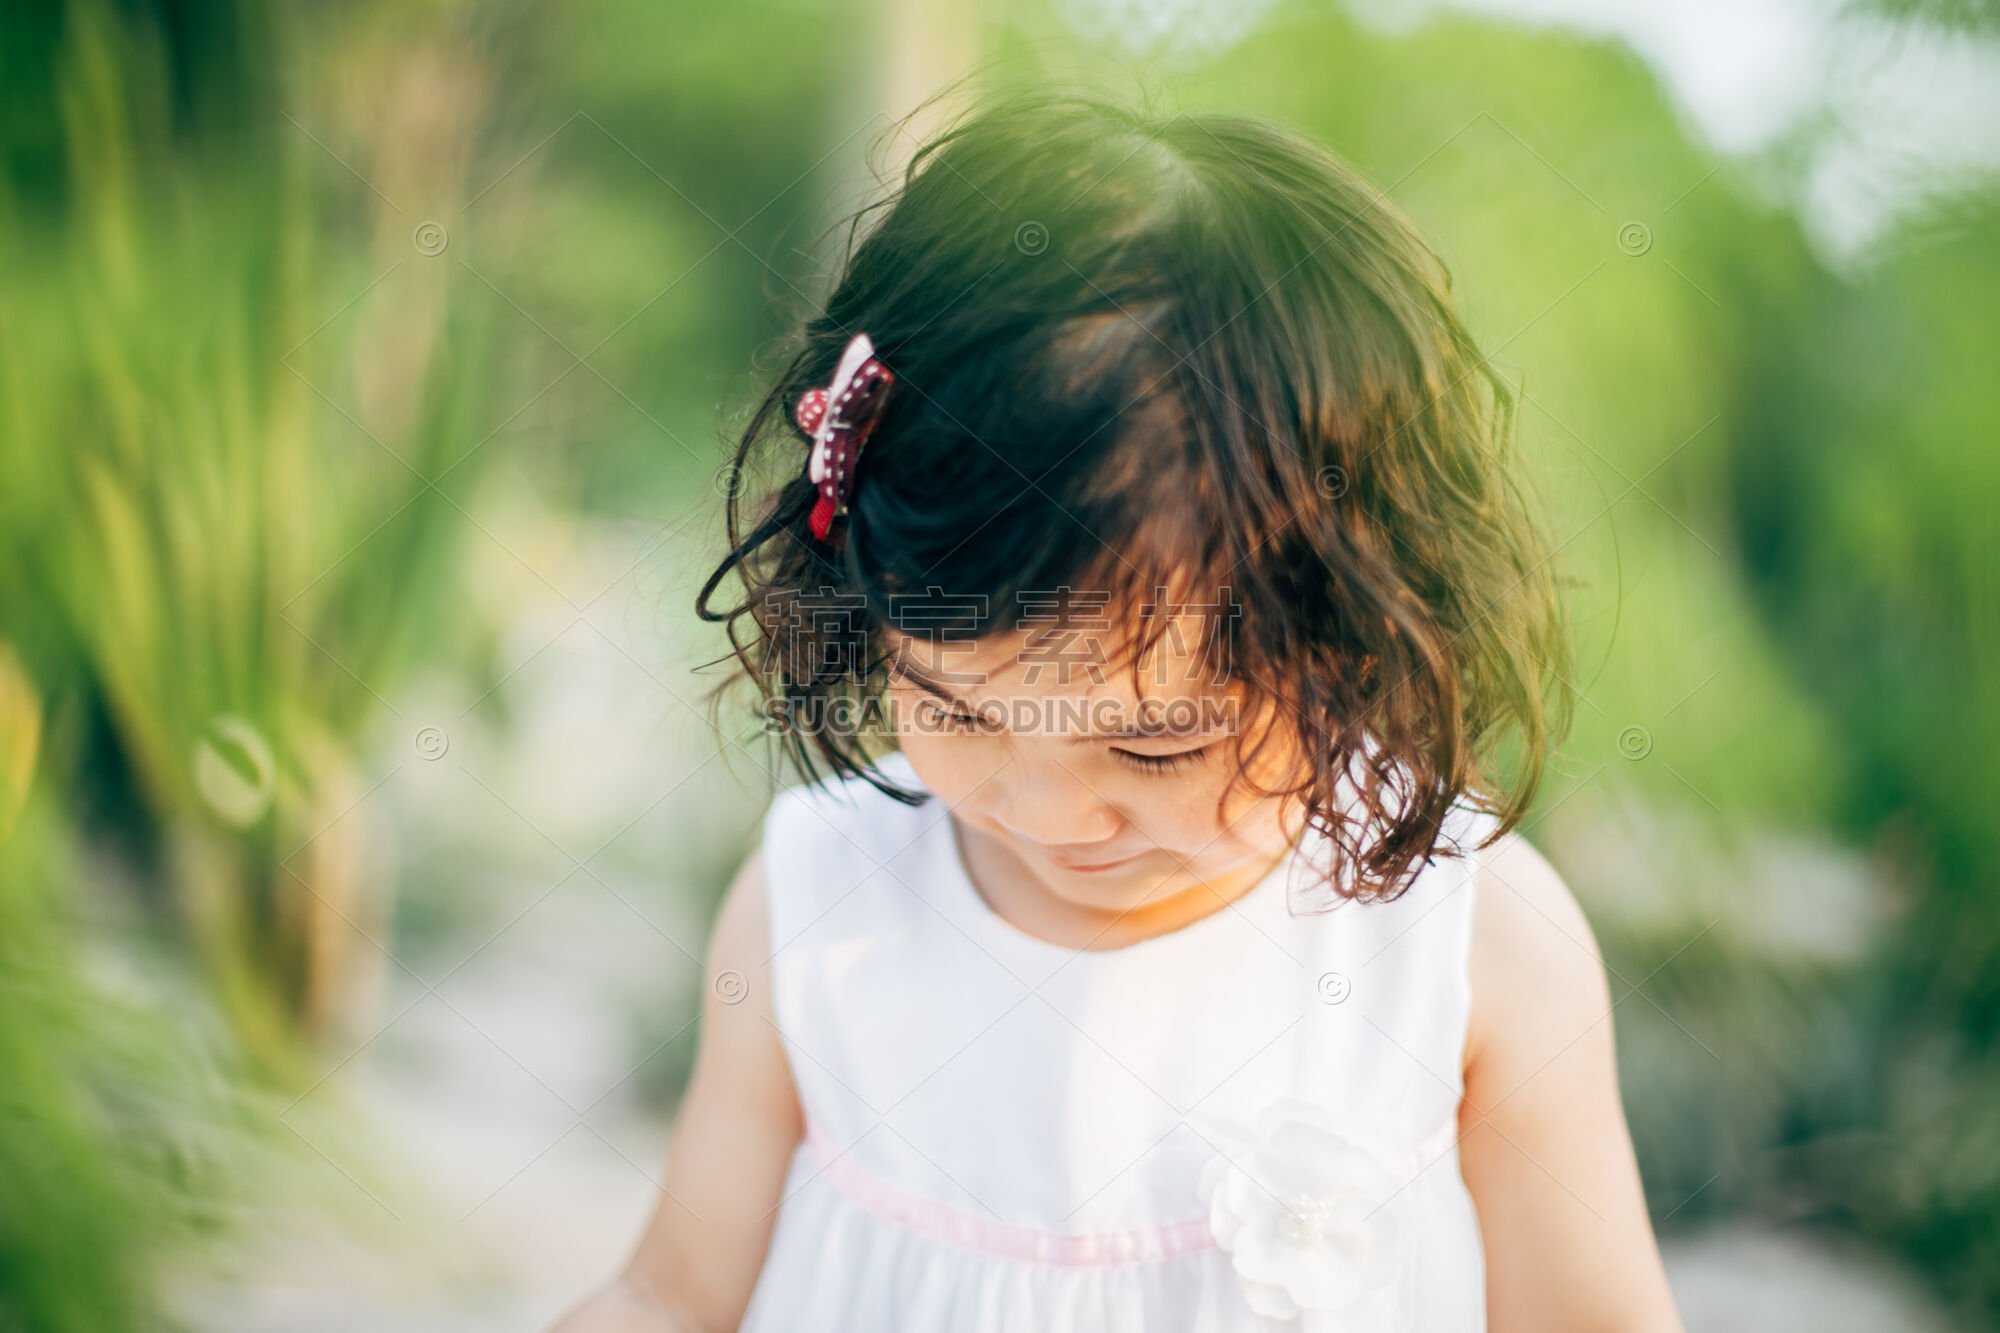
1104 796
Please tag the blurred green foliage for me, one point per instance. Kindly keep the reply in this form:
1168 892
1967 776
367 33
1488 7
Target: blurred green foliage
177 500
245 408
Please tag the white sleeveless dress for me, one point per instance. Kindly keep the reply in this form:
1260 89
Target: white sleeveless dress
1246 1123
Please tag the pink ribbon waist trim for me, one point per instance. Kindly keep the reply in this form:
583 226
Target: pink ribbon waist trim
1006 1240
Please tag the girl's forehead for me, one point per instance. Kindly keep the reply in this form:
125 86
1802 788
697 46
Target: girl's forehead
1070 656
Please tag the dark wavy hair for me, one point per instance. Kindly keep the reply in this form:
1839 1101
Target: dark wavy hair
1139 350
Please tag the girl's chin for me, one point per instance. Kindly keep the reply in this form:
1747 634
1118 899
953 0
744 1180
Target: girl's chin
1126 888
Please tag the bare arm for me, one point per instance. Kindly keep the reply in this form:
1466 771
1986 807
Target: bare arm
1546 1151
697 1263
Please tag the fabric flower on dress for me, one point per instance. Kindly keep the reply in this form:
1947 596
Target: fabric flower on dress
1311 1219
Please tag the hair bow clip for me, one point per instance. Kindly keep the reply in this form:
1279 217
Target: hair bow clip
840 418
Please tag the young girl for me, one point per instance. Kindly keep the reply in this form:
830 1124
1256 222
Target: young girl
1156 952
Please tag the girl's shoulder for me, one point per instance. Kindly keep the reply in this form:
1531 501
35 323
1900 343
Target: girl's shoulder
843 815
825 841
1534 960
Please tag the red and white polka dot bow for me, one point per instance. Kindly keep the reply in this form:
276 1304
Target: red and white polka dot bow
840 418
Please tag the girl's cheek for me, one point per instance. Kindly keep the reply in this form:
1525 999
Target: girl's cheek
954 767
1177 813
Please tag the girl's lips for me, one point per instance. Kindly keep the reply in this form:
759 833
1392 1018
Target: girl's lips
1091 868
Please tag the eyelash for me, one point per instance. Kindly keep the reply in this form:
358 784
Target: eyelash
1145 763
960 721
1162 763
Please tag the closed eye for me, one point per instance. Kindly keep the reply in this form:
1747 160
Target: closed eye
950 718
1162 763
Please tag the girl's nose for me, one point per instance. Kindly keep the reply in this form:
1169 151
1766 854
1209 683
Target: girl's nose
1048 804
